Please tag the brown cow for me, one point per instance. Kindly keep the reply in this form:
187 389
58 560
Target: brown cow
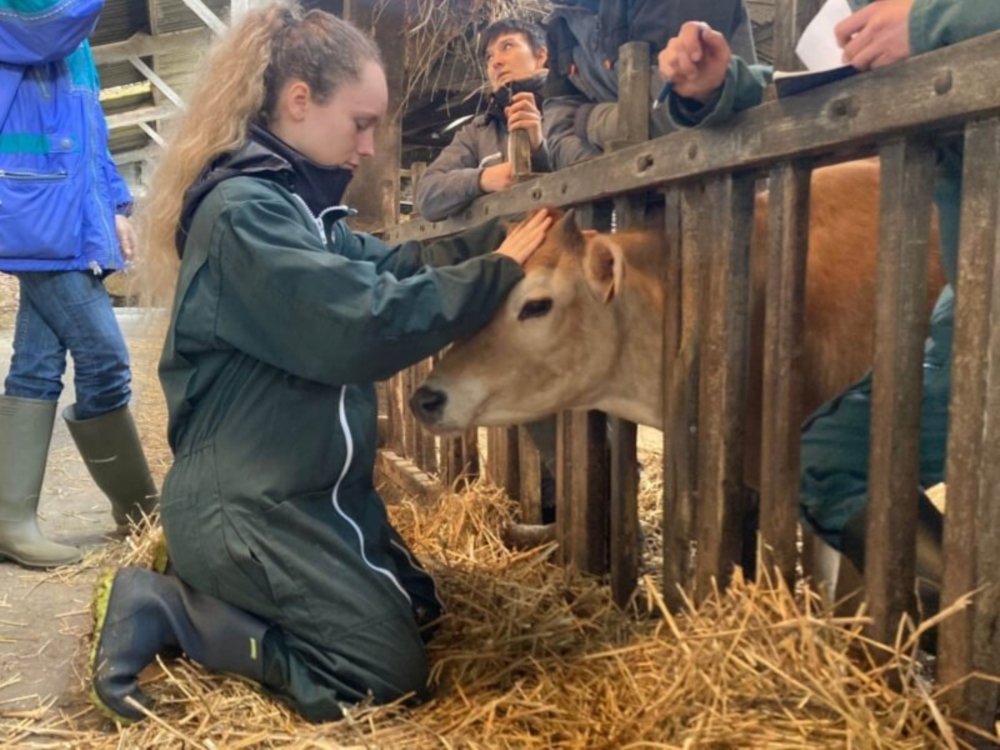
583 330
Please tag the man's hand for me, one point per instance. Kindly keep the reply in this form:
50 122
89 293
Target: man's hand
126 236
496 178
695 61
523 114
524 238
877 35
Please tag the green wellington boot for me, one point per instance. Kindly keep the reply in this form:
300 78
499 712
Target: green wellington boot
111 449
25 434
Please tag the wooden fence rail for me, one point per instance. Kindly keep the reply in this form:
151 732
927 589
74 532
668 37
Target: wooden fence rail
707 177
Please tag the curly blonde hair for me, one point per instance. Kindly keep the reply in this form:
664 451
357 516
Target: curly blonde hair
246 71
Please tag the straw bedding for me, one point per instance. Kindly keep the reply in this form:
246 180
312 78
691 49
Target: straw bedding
530 656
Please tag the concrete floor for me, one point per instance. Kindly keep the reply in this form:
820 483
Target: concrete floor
44 615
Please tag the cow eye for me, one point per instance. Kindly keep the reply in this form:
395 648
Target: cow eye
535 308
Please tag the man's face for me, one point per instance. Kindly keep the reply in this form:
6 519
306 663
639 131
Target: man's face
509 58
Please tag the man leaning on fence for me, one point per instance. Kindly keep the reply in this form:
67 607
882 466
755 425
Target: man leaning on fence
581 92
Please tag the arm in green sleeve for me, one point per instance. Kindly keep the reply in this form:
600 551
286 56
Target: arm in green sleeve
939 23
289 302
742 89
408 258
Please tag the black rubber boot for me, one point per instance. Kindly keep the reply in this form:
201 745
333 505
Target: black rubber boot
139 613
110 447
929 567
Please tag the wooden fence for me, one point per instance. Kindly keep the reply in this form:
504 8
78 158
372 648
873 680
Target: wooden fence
708 179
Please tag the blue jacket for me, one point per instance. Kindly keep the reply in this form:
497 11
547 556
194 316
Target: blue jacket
59 188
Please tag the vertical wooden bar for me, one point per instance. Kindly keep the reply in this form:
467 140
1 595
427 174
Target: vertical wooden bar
782 378
417 170
587 522
374 191
410 427
468 448
530 475
969 639
723 382
426 449
900 328
564 486
790 19
630 212
680 399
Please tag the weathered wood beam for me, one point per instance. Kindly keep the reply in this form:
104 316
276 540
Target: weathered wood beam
207 16
784 323
146 45
897 382
935 90
155 79
969 639
374 191
143 114
153 135
136 155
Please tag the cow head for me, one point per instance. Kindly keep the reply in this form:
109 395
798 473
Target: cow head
553 345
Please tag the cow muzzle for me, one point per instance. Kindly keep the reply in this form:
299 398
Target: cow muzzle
428 405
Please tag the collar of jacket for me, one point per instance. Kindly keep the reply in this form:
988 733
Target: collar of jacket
264 154
499 100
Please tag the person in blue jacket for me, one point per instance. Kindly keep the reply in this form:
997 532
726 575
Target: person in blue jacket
709 86
63 229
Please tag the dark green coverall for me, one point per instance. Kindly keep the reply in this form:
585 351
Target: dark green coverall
282 322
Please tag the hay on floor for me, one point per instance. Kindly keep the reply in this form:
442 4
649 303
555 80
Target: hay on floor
529 656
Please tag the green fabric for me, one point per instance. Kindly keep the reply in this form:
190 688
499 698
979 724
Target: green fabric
275 339
29 7
939 23
82 70
23 143
836 439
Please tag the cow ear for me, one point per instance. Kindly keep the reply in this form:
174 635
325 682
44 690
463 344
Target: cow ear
568 231
603 267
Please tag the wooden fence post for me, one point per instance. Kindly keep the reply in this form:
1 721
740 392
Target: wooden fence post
781 417
582 474
897 382
417 170
723 381
680 394
969 640
624 550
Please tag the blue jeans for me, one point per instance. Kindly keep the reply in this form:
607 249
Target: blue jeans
69 311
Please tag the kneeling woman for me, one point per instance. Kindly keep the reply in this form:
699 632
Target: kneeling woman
285 568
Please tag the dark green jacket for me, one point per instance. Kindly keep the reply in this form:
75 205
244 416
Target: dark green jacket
280 326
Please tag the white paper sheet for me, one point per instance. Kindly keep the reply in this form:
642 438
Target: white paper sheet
817 49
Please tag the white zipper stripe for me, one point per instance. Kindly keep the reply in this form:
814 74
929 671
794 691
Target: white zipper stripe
336 502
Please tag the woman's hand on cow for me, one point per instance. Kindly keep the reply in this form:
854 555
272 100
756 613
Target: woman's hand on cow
877 35
695 61
524 238
523 114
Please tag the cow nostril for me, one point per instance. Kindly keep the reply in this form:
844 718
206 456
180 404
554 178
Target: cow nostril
428 404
